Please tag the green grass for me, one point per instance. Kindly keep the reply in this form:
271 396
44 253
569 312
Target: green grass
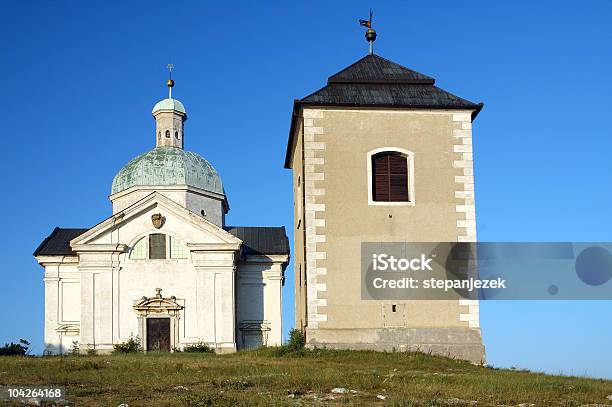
267 377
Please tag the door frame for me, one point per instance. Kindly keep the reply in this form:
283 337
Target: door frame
158 307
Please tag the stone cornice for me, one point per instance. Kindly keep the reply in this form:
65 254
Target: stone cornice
214 247
56 260
180 188
271 258
100 248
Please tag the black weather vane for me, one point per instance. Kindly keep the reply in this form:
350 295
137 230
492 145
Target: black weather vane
366 23
370 33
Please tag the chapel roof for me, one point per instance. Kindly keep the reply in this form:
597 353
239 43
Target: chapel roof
58 242
255 240
261 240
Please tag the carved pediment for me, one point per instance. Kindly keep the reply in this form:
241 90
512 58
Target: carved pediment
160 210
157 304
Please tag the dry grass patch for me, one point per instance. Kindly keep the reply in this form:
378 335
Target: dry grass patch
269 377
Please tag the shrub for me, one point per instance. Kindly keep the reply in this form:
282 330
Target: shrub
132 345
294 347
11 349
76 349
199 347
297 340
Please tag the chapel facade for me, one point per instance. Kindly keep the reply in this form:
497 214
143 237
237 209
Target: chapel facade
380 154
164 267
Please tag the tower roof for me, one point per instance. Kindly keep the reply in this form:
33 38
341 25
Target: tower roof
376 69
374 81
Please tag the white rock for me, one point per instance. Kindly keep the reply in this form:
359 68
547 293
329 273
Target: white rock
339 390
381 397
609 397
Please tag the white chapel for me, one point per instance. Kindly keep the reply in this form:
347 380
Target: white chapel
164 267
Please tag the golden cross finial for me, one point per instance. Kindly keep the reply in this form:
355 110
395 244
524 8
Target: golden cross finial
170 81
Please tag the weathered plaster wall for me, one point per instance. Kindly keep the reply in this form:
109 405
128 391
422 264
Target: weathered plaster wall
338 218
299 267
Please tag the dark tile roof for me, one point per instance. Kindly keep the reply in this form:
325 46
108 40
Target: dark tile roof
256 240
58 242
391 94
261 240
375 69
374 81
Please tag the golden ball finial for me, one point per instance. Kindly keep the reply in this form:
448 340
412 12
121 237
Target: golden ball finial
170 83
370 35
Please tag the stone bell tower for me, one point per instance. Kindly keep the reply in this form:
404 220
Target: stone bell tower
170 116
380 154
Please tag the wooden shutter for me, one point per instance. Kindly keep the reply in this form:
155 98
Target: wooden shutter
390 177
157 246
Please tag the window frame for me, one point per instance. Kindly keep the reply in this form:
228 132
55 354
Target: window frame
410 176
145 246
164 246
147 258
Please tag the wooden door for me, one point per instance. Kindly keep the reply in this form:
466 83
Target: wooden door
158 334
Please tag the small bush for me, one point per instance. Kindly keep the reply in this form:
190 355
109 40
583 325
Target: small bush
198 348
132 345
297 340
12 349
294 347
76 349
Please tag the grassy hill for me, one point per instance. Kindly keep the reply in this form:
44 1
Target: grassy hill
268 377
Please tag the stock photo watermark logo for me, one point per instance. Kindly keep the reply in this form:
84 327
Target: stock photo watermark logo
486 271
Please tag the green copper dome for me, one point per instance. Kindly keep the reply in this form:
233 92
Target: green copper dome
169 104
165 166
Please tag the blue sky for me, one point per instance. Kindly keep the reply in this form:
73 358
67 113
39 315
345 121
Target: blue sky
81 78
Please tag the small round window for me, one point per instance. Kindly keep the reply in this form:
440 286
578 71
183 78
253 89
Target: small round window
176 135
168 133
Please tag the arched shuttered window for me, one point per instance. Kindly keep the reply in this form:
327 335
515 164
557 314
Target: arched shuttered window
390 177
157 246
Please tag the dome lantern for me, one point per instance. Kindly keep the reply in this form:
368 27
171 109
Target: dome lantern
170 116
